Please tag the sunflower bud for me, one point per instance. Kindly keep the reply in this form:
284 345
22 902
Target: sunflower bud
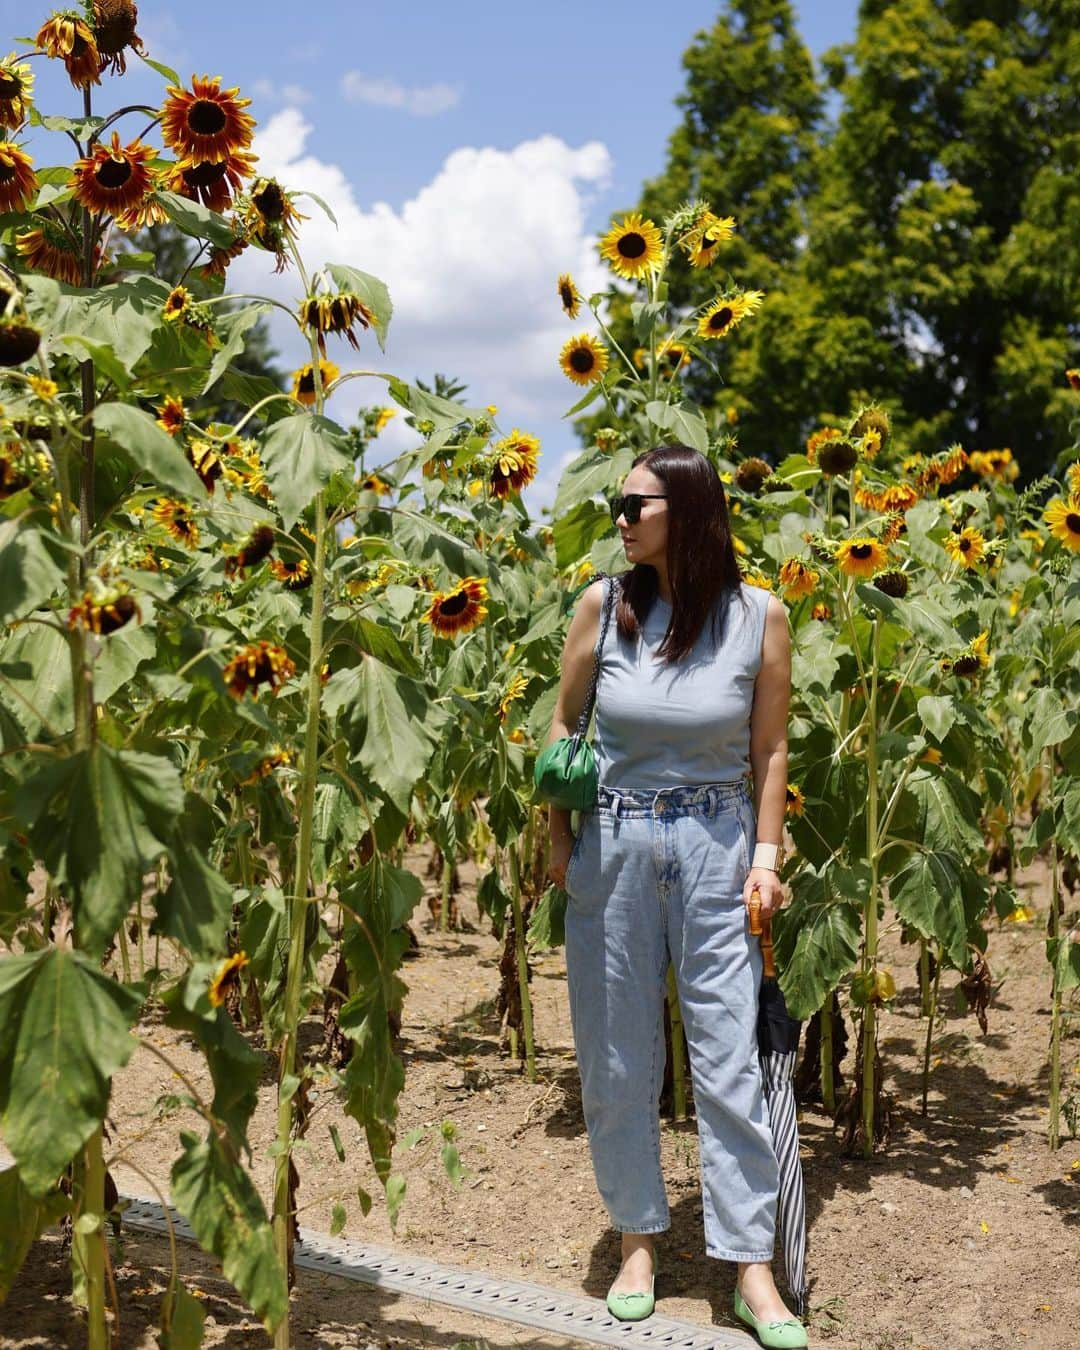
751 474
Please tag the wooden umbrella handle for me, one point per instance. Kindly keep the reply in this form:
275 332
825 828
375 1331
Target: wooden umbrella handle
761 928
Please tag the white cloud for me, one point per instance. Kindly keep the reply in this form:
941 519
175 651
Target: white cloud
420 100
471 262
292 94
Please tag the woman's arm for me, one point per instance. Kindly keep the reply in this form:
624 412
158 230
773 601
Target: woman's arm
769 751
577 664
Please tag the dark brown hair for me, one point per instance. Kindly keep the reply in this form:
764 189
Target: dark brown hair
701 562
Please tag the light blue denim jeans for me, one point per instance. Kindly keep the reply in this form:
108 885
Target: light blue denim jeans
654 875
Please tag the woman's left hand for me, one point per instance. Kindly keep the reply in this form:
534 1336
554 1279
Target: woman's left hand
767 883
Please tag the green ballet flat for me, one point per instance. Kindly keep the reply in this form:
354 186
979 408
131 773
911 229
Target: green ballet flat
633 1307
784 1335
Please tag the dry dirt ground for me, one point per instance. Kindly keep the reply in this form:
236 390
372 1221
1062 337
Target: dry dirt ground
965 1233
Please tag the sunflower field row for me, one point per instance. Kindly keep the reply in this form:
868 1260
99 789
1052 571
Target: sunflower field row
245 665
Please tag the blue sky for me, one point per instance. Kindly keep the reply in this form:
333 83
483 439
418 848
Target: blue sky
470 151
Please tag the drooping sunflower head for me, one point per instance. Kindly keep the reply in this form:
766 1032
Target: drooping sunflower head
47 248
114 30
206 123
751 474
837 456
993 464
819 438
965 546
515 463
294 575
1073 376
337 313
113 178
303 389
212 182
227 978
894 583
18 341
105 611
18 182
256 664
16 91
583 359
569 295
459 610
797 580
258 545
204 459
727 311
794 802
178 518
517 685
861 557
633 248
871 417
1063 517
975 658
67 36
703 242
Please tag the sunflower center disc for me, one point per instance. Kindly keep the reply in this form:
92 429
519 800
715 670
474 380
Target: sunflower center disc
632 245
1072 520
453 605
7 172
861 551
720 319
202 175
270 203
114 173
9 86
206 118
582 361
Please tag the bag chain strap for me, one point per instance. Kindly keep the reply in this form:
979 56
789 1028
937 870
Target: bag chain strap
590 697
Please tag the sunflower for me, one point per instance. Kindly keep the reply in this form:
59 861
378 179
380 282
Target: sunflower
147 213
67 36
15 469
727 311
211 182
894 583
757 579
114 30
18 182
206 123
294 576
895 526
752 473
303 389
1063 517
672 356
795 802
266 766
1072 475
258 663
633 248
178 519
459 610
836 457
48 249
860 557
177 304
606 438
258 545
106 612
797 580
203 458
227 977
373 483
569 295
993 464
821 611
18 342
515 463
322 314
113 179
870 444
172 415
971 660
704 240
583 359
1073 376
16 88
871 418
965 546
819 438
44 389
383 417
221 257
519 682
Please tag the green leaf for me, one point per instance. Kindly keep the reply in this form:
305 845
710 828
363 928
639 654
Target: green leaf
394 738
104 359
1048 721
100 819
1063 953
123 317
687 427
301 454
577 531
493 899
921 615
23 1218
395 1196
938 896
814 659
182 1318
35 680
338 1219
196 908
384 645
946 812
506 814
443 413
422 538
818 935
371 291
365 1201
166 72
196 220
591 473
151 452
214 1193
232 330
319 202
547 923
937 713
64 1032
335 1139
28 572
451 1162
80 127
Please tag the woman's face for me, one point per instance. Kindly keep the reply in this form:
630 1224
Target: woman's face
646 540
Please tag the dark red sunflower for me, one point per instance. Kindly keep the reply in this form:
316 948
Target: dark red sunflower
211 182
258 663
206 124
258 545
46 248
113 179
114 30
18 182
67 36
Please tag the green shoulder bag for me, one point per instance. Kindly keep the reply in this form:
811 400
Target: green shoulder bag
565 774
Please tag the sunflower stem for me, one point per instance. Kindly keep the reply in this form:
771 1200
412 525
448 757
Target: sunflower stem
870 946
828 1095
522 962
930 1032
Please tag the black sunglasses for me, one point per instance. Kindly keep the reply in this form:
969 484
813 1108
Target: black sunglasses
630 505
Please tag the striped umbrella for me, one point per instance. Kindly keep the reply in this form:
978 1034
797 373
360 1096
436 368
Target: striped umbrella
778 1047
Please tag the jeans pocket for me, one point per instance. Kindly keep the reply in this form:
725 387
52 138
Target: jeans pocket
747 830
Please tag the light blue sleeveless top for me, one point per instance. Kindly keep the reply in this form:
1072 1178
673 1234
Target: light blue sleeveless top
661 725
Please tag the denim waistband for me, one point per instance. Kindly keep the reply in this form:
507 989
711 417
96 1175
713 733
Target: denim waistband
657 801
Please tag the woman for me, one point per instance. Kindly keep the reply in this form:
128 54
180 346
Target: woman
692 697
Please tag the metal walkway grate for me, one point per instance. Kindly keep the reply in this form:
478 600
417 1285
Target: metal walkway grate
531 1305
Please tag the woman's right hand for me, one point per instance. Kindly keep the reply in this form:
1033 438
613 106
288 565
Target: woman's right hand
561 849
